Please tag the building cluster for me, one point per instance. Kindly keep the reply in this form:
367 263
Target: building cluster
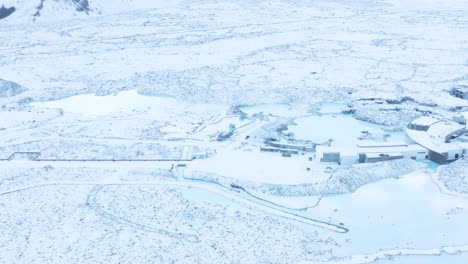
370 153
436 139
428 138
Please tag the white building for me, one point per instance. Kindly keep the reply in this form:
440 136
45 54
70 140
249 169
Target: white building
440 138
370 153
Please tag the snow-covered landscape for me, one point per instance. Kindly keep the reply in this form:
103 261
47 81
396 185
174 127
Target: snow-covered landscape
329 131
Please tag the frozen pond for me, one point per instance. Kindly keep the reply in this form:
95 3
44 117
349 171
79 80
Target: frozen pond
405 213
326 122
284 110
280 110
332 108
91 104
343 129
126 102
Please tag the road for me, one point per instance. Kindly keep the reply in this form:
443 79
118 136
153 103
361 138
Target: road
231 194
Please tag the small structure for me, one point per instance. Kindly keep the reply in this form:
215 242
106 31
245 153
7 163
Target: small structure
269 149
284 148
200 155
305 148
461 119
225 135
460 91
376 157
330 156
272 149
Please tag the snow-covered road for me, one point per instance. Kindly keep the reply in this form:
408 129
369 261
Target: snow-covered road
231 194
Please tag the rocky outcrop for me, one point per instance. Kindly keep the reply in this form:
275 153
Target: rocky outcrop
454 176
6 11
9 89
82 5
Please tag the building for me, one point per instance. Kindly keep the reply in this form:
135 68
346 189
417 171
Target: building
440 138
460 91
304 148
371 153
423 123
437 139
225 135
273 149
200 155
376 157
461 119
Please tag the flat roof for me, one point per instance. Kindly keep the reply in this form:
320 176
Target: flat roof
434 137
425 121
376 150
378 155
434 143
341 150
412 147
444 128
289 145
373 144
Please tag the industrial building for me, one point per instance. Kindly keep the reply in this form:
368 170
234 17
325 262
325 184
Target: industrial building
437 139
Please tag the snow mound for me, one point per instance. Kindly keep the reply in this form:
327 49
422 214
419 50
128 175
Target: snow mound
454 176
9 89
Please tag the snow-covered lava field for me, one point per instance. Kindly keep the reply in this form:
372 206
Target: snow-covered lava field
136 131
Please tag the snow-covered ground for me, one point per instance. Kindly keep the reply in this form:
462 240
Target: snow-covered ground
131 131
453 178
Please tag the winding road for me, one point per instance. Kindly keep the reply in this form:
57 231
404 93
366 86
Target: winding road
232 194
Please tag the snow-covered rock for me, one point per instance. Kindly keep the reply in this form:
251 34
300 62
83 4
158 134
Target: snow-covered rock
454 176
9 89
